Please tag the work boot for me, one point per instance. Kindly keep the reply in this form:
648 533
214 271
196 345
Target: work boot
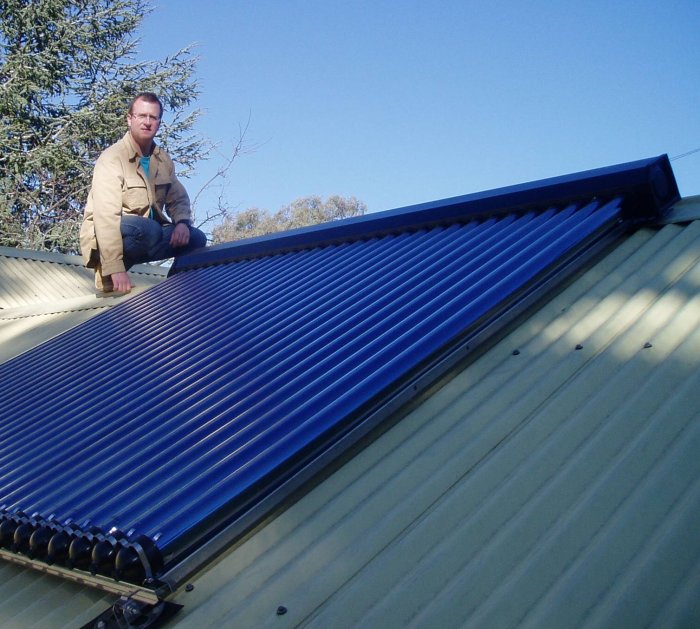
103 284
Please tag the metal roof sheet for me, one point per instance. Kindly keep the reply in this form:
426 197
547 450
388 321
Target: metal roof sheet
41 277
43 294
38 277
28 599
543 486
427 289
583 514
277 353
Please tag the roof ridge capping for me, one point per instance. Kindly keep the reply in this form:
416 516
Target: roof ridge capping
647 187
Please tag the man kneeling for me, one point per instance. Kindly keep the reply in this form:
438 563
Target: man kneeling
137 210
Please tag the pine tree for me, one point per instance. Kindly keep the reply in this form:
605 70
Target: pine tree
68 69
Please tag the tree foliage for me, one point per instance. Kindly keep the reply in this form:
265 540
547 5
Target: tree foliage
68 70
300 213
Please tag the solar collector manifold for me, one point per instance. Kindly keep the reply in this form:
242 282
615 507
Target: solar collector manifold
135 559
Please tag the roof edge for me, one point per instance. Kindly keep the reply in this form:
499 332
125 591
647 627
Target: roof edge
648 186
41 256
72 260
685 211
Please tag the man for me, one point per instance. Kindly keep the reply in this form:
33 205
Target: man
133 187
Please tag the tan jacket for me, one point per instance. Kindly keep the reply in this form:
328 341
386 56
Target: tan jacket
119 185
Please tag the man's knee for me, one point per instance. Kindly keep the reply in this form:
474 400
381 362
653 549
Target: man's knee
141 229
197 238
141 239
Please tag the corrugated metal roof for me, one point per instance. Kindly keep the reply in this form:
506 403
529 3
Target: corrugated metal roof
281 355
407 531
28 599
551 487
39 277
544 486
31 277
43 294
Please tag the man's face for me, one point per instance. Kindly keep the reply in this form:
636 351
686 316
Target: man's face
144 121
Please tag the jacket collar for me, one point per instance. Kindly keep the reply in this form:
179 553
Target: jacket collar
133 152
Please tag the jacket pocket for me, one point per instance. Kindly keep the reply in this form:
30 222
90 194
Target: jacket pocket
135 194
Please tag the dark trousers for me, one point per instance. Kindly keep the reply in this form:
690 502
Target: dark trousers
146 240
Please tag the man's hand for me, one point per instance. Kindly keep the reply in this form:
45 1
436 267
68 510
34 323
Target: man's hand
121 282
180 236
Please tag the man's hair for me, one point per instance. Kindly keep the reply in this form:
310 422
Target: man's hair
149 97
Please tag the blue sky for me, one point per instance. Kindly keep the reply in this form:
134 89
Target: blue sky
401 102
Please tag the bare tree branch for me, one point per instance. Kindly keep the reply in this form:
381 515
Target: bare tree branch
221 209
